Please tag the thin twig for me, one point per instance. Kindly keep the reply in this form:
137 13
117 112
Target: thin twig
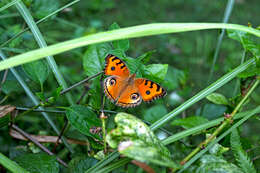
45 139
79 83
60 135
37 143
40 110
3 80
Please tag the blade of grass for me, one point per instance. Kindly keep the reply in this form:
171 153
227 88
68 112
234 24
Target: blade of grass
8 5
198 155
214 86
9 15
41 42
103 162
115 165
130 32
11 165
39 21
35 101
201 127
238 80
228 11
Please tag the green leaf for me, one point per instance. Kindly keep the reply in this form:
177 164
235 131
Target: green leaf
250 44
83 119
154 113
43 8
215 164
156 72
11 86
246 40
174 78
145 58
218 99
80 164
189 122
119 44
212 111
241 156
38 163
94 58
134 139
38 71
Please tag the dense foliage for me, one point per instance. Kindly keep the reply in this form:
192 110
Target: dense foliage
207 122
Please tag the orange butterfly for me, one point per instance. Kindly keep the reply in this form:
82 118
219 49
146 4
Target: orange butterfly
124 89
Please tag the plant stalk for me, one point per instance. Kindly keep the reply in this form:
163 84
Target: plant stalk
226 121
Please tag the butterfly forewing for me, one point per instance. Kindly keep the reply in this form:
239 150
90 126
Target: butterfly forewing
115 66
149 90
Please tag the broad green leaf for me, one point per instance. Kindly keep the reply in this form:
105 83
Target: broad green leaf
154 113
119 44
135 66
38 163
241 156
250 44
189 122
174 78
94 58
246 40
83 119
212 111
135 139
215 164
11 86
156 72
80 164
43 8
38 71
218 99
145 58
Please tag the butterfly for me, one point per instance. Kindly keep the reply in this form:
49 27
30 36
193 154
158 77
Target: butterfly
124 89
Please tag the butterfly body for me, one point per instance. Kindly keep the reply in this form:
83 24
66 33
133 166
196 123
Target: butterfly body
124 89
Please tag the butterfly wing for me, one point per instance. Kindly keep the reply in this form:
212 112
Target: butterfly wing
149 90
119 91
130 97
115 66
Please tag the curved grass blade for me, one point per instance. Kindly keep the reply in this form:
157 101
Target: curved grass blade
41 42
130 32
11 165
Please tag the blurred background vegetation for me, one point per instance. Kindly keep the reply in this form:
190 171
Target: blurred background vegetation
189 55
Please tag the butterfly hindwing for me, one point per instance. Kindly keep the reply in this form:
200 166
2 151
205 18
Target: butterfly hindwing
149 90
121 93
115 66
